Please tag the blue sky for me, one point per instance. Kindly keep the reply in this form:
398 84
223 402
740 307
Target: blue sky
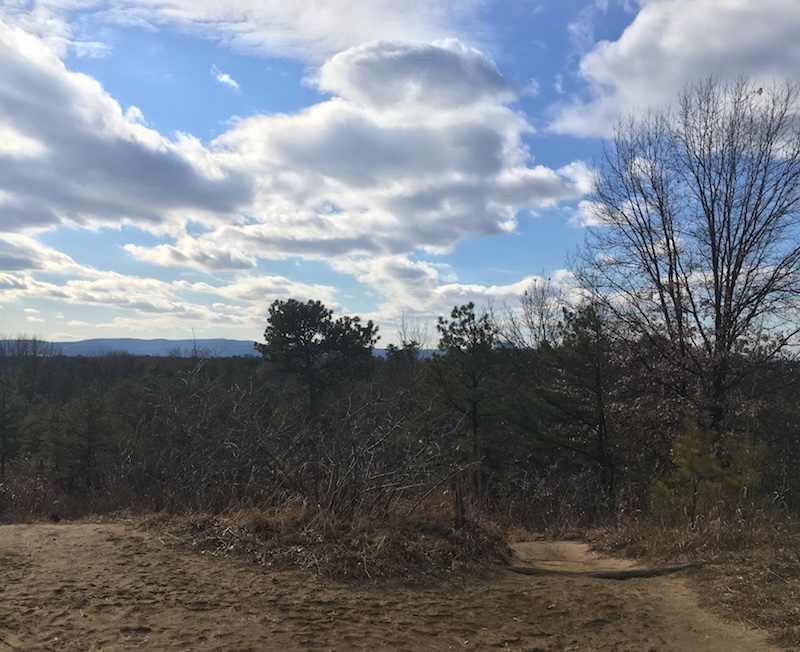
170 168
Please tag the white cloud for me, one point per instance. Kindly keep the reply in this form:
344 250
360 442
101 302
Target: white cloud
73 156
261 291
672 43
137 305
224 78
45 22
422 290
436 155
585 215
406 284
419 150
21 253
193 252
134 115
305 29
442 76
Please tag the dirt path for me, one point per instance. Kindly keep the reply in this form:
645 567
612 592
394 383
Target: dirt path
85 587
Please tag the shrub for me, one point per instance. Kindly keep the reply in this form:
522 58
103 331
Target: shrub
705 483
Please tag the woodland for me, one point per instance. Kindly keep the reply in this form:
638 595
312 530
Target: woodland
573 432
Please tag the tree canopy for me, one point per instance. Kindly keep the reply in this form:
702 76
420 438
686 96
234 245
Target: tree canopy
305 339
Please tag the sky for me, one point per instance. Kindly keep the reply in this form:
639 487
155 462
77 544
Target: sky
169 168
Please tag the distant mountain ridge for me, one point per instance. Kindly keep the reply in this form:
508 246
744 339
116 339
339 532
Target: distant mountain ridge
212 348
205 348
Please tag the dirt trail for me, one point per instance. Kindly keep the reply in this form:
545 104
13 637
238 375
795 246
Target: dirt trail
86 587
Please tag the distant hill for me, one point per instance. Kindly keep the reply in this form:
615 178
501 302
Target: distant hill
212 348
208 348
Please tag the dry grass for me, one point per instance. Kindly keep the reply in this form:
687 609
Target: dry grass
298 535
751 571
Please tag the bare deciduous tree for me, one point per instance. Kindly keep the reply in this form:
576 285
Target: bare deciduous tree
696 247
536 320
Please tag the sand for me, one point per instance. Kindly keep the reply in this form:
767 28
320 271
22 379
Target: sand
115 586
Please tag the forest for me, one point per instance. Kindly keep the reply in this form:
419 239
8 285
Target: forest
576 430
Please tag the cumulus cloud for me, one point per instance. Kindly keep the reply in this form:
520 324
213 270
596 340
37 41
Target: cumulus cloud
672 43
441 76
73 156
21 253
419 148
193 252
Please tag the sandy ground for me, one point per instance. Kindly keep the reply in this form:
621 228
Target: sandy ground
87 586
